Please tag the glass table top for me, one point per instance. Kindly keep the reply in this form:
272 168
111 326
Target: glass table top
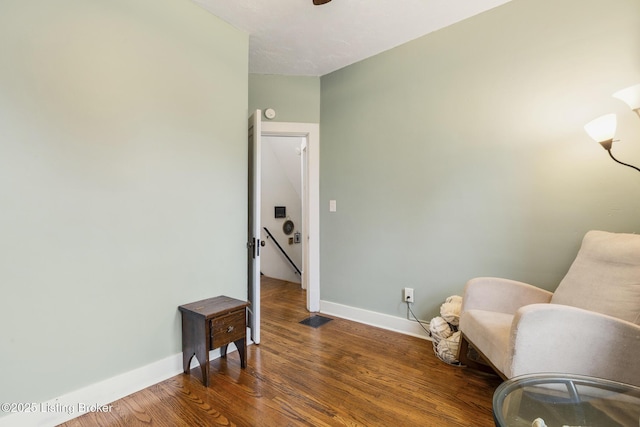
557 400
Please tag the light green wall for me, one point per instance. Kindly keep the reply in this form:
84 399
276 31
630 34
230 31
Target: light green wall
122 184
463 154
294 98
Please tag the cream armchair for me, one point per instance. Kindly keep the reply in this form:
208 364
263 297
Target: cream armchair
589 326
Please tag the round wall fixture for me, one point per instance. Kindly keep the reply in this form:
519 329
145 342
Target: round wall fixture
288 227
270 113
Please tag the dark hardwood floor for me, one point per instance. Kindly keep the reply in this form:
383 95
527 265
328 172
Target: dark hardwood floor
341 374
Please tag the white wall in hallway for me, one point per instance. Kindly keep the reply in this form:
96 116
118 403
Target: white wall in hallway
281 186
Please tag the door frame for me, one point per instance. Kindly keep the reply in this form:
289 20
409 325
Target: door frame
311 213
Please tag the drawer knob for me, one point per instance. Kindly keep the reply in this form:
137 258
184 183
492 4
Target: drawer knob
230 329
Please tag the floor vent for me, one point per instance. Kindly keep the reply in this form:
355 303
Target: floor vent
315 321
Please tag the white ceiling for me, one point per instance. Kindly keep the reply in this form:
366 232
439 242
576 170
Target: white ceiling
294 37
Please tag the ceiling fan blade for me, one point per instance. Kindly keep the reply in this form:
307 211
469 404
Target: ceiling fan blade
319 2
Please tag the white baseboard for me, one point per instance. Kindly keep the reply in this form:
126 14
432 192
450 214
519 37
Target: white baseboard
98 396
372 318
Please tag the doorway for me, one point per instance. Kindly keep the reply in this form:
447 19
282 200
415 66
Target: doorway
281 207
310 238
310 159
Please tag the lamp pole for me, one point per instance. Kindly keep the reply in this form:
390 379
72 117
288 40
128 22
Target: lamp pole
618 161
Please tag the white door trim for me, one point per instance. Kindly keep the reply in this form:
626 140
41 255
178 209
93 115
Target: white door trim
310 131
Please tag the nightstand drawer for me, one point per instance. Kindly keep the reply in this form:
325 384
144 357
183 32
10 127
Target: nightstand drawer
228 328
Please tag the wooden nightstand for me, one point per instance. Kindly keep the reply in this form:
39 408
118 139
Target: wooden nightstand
209 324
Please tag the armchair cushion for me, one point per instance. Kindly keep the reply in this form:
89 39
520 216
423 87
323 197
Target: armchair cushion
490 331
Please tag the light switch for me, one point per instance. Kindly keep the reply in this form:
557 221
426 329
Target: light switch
332 205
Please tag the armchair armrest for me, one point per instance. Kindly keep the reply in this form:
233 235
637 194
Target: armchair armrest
560 338
501 295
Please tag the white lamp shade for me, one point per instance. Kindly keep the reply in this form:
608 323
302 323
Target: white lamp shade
630 96
603 128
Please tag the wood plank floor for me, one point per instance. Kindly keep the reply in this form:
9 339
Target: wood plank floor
340 374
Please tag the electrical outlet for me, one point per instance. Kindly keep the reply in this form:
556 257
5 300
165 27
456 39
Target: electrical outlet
407 295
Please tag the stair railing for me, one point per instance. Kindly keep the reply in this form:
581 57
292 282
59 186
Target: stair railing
282 250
